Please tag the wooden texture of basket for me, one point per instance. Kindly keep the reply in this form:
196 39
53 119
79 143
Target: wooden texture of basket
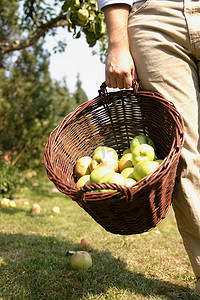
113 119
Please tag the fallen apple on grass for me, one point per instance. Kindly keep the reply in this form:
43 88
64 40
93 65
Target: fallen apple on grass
36 209
56 210
85 242
12 204
81 260
5 203
62 237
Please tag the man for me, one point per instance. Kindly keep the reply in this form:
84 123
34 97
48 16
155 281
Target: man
158 42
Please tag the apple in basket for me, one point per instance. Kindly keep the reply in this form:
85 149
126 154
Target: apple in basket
125 162
81 260
83 180
82 166
112 177
104 156
130 182
144 168
128 172
143 152
139 140
99 172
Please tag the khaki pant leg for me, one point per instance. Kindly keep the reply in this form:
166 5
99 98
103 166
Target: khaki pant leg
167 63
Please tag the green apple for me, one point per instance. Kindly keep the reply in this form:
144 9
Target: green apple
128 150
125 162
130 182
112 177
62 237
82 166
128 172
81 260
144 168
82 181
99 172
142 152
104 156
141 139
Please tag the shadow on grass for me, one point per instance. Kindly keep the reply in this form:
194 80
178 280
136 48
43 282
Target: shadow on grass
35 267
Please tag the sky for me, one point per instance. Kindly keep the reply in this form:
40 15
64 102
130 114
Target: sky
77 58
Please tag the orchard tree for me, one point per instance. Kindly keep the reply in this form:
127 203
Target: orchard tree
23 23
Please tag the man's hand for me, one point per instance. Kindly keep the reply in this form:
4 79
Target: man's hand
120 69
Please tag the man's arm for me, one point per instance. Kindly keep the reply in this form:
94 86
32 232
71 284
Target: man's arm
120 69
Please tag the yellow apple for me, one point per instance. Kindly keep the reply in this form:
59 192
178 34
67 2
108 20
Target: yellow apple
56 210
83 180
82 166
128 172
99 172
125 162
5 203
36 209
12 204
130 182
101 151
105 157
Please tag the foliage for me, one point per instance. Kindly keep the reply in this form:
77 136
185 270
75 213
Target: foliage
31 106
9 174
25 22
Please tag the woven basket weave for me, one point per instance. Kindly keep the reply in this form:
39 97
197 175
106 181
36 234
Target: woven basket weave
113 119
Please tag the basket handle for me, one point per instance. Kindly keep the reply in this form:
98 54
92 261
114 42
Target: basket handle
103 88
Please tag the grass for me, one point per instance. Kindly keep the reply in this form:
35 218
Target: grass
33 265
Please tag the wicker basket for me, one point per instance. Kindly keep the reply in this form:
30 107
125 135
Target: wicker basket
113 119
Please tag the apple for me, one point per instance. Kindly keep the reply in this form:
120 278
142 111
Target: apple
128 172
83 180
56 210
112 177
144 168
99 172
85 242
83 14
81 260
5 203
101 151
12 204
104 156
36 209
130 182
82 166
128 150
125 162
61 237
142 152
139 140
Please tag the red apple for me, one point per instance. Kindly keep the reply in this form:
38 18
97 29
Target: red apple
82 166
36 208
85 242
81 260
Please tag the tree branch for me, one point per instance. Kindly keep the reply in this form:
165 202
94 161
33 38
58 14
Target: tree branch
59 21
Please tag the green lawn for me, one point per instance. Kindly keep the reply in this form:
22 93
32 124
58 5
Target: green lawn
33 265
